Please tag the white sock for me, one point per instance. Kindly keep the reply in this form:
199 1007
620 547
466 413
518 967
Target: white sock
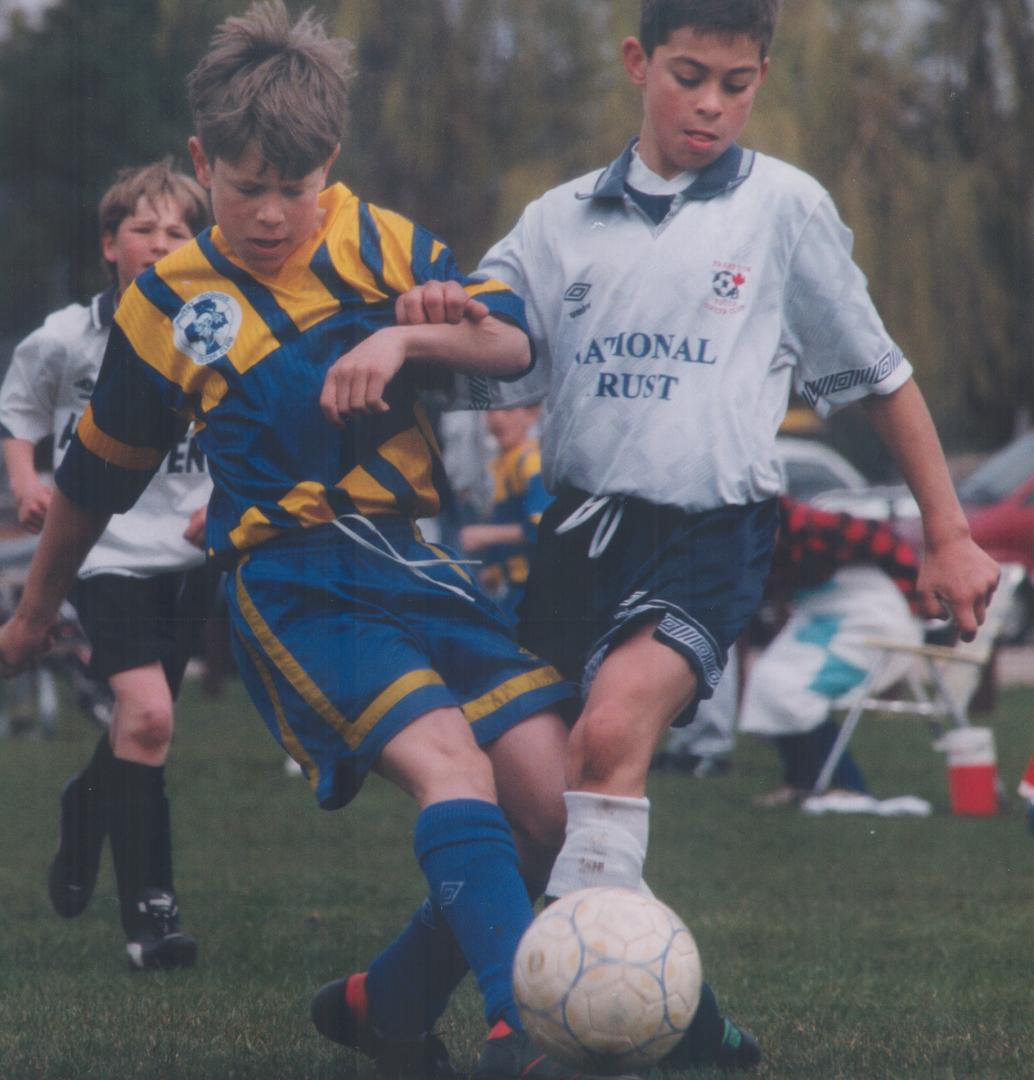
605 843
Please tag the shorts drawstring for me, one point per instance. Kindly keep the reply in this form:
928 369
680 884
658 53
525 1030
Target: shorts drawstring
394 556
612 507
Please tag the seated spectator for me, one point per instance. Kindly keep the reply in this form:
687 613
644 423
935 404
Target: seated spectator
845 580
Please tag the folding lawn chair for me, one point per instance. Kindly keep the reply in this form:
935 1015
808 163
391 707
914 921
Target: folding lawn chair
940 682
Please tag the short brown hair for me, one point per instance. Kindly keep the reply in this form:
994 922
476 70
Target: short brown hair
280 83
151 182
755 18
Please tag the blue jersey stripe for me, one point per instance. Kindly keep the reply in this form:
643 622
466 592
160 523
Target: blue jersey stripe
261 299
370 247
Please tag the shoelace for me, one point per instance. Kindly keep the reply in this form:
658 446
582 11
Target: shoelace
393 556
612 508
162 913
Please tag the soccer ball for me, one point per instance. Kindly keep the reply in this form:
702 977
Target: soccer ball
606 980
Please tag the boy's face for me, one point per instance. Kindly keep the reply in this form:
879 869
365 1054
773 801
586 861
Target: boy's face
509 427
698 90
263 216
145 236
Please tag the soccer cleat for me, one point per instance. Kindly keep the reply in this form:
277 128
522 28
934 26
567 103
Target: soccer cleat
737 1052
73 870
340 1012
511 1055
156 942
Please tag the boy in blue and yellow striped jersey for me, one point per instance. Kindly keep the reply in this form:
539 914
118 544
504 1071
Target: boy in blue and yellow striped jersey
504 542
363 647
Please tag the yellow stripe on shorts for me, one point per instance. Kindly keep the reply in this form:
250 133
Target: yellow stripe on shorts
287 736
388 698
508 691
289 667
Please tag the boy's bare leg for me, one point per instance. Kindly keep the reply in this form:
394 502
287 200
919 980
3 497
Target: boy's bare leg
640 688
529 763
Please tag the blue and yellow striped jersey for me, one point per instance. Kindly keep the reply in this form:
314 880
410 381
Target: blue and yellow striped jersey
519 497
198 338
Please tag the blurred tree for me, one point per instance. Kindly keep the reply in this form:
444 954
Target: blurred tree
464 110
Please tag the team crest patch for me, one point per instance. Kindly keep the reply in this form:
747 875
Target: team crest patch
729 282
206 327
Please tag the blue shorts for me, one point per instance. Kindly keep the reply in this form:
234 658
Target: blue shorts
340 648
700 575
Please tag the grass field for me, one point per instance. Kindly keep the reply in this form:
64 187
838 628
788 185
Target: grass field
861 947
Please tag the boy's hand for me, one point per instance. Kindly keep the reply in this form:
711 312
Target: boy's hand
33 504
356 381
194 533
438 302
22 645
957 580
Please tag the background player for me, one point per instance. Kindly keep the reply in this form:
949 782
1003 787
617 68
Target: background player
362 646
504 543
709 280
140 596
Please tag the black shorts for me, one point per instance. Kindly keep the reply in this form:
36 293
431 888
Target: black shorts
131 622
701 575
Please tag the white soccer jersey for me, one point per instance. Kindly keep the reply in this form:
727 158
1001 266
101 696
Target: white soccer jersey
666 353
48 383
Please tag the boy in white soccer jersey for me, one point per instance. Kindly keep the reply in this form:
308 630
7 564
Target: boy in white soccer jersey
674 299
141 592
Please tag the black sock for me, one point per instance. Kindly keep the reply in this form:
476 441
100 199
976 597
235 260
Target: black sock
141 837
85 799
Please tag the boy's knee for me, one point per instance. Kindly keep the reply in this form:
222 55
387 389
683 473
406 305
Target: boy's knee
605 744
146 728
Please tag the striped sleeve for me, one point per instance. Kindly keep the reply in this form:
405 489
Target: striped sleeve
122 437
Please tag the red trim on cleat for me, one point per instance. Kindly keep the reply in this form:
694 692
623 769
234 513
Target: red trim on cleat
500 1029
356 999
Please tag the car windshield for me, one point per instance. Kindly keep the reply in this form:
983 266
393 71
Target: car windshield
1001 474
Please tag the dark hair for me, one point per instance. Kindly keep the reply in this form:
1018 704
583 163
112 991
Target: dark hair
280 83
755 18
151 182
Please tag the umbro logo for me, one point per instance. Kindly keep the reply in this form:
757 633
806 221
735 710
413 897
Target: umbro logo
576 294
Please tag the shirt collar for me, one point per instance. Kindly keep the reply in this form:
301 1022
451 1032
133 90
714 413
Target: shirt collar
728 172
102 308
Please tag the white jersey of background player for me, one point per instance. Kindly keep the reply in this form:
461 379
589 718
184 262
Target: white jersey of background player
48 383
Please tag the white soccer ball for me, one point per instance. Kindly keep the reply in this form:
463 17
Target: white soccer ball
606 980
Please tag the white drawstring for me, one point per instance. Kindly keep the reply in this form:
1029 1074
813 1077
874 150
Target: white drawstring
394 556
613 507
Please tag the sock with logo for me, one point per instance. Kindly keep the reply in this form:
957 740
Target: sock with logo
466 850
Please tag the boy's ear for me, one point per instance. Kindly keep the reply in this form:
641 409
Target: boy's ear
108 252
635 59
202 167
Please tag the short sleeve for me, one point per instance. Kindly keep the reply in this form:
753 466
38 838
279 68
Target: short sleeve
844 352
28 397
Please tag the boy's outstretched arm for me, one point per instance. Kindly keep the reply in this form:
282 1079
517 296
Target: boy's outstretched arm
467 340
957 578
68 534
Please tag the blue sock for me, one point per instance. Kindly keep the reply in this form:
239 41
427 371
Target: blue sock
410 982
468 856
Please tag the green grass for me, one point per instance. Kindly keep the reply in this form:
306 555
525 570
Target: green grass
853 947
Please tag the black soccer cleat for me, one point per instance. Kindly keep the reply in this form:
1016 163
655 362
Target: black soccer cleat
156 942
738 1051
340 1013
73 871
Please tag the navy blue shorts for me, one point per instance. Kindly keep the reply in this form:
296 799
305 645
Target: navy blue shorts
700 575
340 648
